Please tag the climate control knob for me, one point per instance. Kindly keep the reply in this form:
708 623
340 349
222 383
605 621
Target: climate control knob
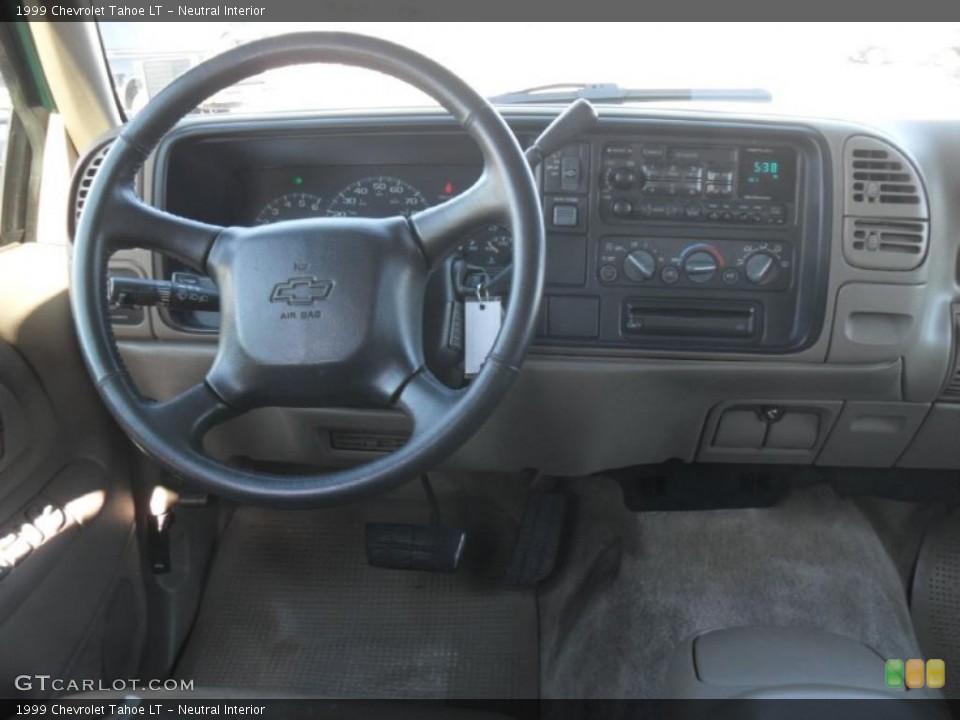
622 178
640 265
761 268
700 266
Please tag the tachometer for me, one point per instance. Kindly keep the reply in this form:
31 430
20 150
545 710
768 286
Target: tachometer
293 206
489 247
377 197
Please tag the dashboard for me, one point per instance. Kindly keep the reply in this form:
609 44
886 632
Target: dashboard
702 269
710 239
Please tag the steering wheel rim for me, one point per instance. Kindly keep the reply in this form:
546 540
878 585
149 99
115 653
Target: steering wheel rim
172 431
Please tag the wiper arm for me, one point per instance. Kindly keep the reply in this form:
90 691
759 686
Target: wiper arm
612 93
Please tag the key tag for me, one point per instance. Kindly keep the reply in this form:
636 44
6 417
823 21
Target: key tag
482 318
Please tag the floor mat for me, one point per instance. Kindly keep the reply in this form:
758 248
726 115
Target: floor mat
635 585
292 605
936 598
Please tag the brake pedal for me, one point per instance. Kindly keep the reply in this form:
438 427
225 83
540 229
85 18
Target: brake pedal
427 548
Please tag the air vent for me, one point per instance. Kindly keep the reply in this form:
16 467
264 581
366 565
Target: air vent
83 179
884 244
881 182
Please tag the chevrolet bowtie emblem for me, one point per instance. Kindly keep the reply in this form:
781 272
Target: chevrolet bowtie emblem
301 291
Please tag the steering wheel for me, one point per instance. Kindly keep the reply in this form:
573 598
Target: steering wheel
321 312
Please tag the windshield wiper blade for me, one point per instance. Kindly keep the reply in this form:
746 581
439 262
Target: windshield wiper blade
613 93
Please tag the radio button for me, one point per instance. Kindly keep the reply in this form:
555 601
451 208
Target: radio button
622 208
693 211
716 190
670 274
623 151
730 276
565 215
622 178
608 273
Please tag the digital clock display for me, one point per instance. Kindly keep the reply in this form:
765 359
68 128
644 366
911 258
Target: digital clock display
766 167
767 173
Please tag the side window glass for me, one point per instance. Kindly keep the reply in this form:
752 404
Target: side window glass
16 158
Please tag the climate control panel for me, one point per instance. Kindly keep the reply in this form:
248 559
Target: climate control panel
679 262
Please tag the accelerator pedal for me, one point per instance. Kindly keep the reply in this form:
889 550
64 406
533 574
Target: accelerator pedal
539 536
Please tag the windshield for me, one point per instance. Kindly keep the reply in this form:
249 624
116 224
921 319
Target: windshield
809 68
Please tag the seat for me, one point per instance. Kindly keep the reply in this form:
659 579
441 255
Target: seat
778 663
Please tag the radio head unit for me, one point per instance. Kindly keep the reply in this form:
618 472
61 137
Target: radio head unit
744 184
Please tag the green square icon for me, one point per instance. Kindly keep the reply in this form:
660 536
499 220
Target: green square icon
894 673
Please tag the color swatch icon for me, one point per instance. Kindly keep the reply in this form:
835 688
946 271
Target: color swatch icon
914 673
936 673
894 673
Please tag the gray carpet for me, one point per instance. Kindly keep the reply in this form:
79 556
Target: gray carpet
636 585
291 605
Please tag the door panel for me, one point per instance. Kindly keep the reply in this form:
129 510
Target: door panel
72 605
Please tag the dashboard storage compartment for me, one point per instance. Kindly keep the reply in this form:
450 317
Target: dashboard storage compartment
796 430
761 432
740 429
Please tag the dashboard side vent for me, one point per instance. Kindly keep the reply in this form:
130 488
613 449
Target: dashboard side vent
82 181
884 244
951 391
881 182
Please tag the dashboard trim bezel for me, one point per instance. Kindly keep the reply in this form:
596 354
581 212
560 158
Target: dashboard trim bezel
524 124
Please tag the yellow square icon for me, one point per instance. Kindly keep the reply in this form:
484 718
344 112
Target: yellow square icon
914 677
936 673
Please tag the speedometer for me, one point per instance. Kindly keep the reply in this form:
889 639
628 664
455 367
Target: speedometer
293 206
377 197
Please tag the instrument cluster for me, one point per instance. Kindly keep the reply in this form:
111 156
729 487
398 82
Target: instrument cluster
281 194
